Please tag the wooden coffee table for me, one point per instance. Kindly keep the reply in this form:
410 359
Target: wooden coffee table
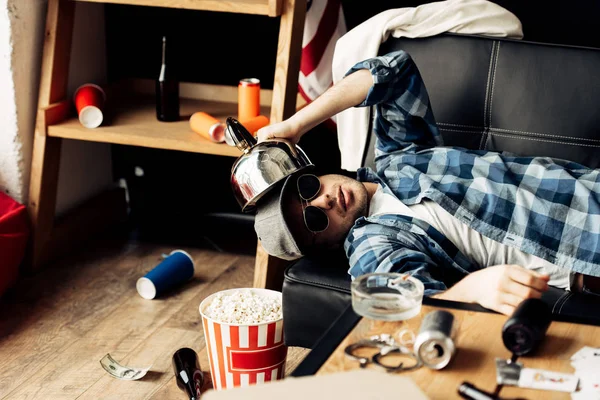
479 343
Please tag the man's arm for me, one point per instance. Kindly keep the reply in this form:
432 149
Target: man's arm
500 288
404 117
393 84
348 92
376 248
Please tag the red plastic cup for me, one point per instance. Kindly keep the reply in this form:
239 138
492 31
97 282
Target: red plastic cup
89 101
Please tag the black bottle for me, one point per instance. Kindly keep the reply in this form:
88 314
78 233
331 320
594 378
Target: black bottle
188 373
167 91
468 391
526 328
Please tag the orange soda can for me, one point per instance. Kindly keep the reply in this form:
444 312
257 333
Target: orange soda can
208 126
248 99
254 124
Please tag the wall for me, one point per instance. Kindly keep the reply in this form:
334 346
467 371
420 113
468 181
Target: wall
202 52
85 167
21 33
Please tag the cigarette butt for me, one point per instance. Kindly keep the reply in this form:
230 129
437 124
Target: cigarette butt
254 124
208 126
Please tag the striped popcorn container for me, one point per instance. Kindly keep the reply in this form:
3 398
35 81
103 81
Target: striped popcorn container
242 354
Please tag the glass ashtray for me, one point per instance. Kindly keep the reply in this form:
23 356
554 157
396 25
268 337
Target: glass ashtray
387 296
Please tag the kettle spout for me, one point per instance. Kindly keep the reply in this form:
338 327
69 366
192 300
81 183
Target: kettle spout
238 136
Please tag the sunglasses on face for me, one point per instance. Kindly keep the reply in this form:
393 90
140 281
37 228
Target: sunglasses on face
315 219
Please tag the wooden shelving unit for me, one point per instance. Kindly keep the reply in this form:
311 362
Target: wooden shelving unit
260 7
131 118
136 125
133 121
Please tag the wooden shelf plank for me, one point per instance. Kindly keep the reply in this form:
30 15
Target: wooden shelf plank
261 7
134 123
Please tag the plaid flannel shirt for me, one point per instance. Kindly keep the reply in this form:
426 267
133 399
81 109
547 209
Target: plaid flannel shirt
543 206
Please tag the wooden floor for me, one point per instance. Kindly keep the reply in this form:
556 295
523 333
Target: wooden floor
56 325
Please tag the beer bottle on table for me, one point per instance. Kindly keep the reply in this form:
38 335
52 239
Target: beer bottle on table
167 91
188 374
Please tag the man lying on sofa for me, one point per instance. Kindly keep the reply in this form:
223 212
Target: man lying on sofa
472 225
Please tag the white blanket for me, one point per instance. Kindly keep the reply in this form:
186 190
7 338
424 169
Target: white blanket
478 17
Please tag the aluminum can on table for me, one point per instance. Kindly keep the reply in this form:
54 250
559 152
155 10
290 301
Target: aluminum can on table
435 343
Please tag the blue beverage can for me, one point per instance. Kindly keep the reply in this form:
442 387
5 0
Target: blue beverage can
173 271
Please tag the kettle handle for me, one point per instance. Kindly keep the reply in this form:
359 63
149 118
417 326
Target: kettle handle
241 137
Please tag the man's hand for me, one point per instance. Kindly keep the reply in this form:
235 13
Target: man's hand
500 288
282 130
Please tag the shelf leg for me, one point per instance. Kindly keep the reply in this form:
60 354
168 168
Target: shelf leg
289 54
268 270
46 150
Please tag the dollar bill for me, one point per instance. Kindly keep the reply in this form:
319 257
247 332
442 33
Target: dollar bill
121 372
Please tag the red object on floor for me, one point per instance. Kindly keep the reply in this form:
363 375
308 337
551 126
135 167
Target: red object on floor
14 233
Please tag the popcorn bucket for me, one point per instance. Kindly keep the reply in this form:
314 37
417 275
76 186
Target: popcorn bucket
243 354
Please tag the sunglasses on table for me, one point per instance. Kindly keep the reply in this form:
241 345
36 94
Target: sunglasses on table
309 187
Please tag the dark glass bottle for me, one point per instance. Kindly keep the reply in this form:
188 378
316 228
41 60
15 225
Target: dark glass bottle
526 328
188 374
167 91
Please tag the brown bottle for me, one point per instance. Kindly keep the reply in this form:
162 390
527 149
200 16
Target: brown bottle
188 374
167 91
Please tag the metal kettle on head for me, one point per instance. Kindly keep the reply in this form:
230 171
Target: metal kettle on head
262 165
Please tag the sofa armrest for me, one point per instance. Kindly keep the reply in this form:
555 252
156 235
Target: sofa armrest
315 292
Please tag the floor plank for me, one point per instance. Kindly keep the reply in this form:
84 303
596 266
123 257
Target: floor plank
59 323
45 313
156 351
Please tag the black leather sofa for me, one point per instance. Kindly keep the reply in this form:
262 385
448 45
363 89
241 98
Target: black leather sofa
498 94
